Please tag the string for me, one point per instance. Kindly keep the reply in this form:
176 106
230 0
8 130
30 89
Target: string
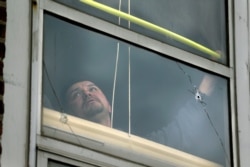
115 75
129 91
114 84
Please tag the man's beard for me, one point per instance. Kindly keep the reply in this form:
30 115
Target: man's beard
94 110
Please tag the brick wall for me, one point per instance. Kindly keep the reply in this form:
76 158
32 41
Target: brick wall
3 18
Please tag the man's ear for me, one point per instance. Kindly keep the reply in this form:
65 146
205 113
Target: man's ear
110 109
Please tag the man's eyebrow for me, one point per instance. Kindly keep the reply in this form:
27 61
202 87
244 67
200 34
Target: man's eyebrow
91 84
77 88
74 90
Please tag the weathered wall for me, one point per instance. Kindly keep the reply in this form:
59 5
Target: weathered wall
16 78
2 55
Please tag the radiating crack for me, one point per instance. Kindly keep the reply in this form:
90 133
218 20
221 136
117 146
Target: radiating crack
199 97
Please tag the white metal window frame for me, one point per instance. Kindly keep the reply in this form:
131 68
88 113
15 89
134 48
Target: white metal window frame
48 5
44 158
83 157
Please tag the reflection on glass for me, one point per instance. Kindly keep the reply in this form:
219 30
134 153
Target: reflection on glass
203 22
110 82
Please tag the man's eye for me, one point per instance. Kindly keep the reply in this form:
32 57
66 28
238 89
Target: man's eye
76 95
93 89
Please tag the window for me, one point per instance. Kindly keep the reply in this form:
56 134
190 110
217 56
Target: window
202 22
155 93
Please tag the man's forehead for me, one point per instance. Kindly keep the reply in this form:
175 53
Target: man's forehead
82 84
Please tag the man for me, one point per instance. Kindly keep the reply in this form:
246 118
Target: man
85 100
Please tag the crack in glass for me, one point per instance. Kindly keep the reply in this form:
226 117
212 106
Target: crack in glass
198 95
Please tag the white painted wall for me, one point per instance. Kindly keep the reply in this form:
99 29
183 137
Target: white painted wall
17 85
242 79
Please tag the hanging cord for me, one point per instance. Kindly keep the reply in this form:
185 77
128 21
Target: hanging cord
129 13
119 18
52 87
129 92
129 79
115 75
114 84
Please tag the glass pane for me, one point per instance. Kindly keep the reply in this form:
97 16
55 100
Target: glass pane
108 81
53 163
179 106
202 22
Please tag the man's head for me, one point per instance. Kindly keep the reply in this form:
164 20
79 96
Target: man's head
85 100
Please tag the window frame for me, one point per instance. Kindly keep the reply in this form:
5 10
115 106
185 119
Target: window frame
125 34
43 159
82 156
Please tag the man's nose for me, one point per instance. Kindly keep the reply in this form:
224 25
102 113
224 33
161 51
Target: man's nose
87 93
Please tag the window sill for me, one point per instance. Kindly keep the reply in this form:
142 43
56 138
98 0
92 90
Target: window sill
114 142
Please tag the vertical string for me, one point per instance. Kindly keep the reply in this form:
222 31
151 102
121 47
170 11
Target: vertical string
129 93
129 81
115 75
114 84
129 13
119 18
